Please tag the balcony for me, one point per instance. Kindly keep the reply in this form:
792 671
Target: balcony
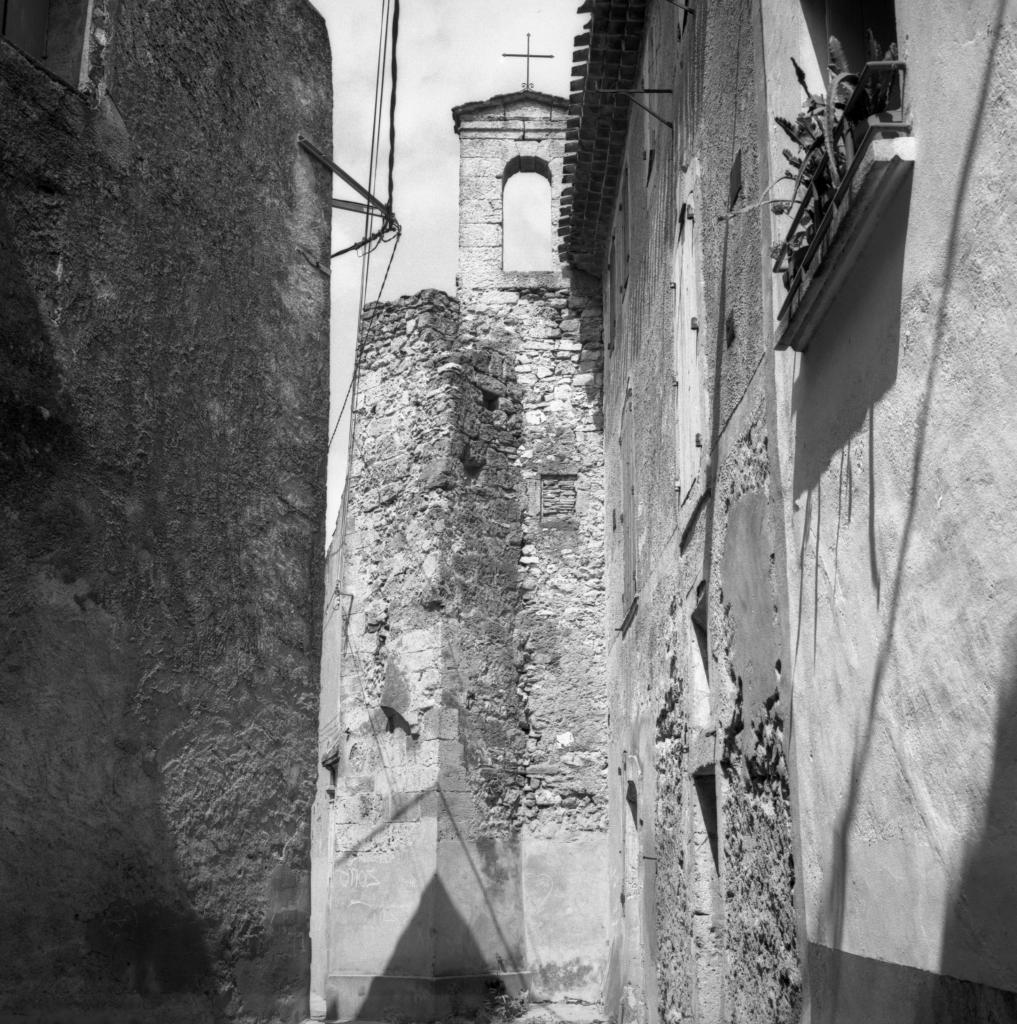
833 224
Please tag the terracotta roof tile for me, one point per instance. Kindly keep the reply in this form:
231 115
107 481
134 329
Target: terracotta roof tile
597 125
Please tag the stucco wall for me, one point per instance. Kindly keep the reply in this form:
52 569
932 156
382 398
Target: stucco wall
896 442
163 389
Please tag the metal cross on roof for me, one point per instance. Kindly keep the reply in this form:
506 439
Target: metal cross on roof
529 56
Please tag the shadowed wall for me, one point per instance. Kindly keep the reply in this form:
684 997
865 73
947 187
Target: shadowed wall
163 369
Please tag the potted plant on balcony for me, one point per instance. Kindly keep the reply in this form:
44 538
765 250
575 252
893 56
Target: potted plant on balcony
828 133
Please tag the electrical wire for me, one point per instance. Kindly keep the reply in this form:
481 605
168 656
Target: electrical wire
372 173
389 230
363 333
392 107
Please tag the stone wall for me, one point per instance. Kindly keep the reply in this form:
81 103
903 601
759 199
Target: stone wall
467 734
163 369
385 735
468 738
818 662
545 352
702 873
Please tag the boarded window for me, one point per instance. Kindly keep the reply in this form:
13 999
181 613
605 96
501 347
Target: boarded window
628 496
687 389
526 222
25 23
611 299
622 233
557 498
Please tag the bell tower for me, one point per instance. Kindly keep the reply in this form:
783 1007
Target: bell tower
463 837
519 134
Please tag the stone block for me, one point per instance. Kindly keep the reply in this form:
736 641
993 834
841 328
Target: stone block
437 473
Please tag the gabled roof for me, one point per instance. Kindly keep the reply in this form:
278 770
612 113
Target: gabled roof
606 57
507 99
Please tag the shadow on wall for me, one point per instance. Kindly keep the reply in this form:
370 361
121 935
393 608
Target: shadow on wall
980 930
853 363
844 373
32 413
94 911
157 949
436 968
837 890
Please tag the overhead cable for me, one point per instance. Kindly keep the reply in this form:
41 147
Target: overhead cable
362 335
392 106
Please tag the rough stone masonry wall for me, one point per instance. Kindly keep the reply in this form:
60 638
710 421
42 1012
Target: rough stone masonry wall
469 711
544 331
428 560
706 929
383 739
404 458
163 369
744 545
545 349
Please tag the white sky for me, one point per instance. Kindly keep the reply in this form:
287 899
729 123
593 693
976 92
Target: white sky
449 53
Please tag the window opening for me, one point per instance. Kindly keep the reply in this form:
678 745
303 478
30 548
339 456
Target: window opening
526 222
629 525
612 298
855 24
52 32
623 232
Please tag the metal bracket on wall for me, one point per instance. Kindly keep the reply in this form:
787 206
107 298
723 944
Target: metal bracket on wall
630 614
632 93
373 205
317 264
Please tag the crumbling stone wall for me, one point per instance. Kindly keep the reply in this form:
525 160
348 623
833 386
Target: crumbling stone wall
547 328
163 357
544 346
743 542
702 876
748 654
467 740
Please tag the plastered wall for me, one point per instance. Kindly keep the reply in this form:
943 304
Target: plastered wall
896 437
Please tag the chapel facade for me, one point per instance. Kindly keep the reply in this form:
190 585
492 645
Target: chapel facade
461 820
